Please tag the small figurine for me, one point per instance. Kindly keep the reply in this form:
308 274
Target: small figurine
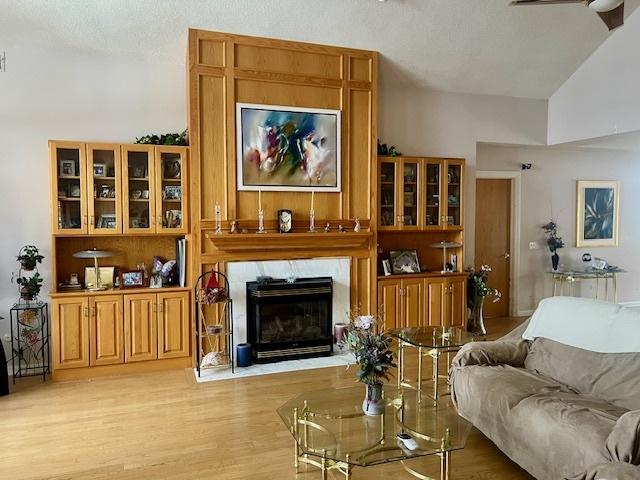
356 228
234 227
341 229
327 228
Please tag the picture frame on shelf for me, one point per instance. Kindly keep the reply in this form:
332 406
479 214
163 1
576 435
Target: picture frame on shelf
74 191
107 220
138 172
285 221
132 279
99 170
386 267
173 218
172 169
106 276
172 192
67 168
404 261
597 213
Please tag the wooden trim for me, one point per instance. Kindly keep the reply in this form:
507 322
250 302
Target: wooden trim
124 369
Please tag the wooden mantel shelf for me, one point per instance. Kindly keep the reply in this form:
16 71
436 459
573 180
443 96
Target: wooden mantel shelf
244 242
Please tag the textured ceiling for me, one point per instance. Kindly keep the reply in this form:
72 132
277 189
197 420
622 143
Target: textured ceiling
472 46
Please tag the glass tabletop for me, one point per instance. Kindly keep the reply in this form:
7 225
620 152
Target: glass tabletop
592 273
434 337
331 423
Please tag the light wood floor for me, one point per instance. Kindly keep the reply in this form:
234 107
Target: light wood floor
165 426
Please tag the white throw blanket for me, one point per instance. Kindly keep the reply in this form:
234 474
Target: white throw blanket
588 324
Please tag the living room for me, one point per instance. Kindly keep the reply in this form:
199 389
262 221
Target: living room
230 256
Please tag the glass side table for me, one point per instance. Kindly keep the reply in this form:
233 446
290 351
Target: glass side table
30 340
568 278
331 432
432 342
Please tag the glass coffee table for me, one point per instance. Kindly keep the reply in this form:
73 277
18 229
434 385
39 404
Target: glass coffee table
432 342
331 432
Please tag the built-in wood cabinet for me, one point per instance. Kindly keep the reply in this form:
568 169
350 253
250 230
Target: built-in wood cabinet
106 330
104 189
70 332
419 193
141 327
173 325
68 188
422 301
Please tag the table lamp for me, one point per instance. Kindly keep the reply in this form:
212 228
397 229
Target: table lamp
444 245
95 254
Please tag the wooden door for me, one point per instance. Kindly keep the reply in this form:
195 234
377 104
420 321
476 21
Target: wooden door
107 330
432 197
390 179
174 326
453 201
435 301
493 239
104 185
456 313
410 194
389 304
70 332
138 189
171 197
68 165
140 327
413 297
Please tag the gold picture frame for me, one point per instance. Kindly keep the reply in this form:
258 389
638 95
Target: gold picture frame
106 277
597 213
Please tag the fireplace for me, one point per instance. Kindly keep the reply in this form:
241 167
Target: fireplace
290 320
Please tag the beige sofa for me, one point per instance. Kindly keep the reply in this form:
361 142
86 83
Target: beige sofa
559 411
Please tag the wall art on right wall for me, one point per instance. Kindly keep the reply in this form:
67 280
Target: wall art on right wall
597 213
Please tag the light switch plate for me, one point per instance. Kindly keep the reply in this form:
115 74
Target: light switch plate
533 246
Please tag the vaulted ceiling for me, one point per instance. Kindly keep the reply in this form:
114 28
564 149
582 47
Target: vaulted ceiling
471 46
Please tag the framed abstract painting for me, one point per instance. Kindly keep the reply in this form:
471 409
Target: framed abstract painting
597 213
287 148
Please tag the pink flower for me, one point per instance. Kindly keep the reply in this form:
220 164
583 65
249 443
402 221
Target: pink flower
363 321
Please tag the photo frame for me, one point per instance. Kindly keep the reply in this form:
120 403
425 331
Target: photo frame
281 148
172 168
106 276
67 168
597 213
99 170
386 267
132 279
285 221
172 192
404 261
107 220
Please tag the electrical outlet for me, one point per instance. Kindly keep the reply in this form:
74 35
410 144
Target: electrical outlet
533 246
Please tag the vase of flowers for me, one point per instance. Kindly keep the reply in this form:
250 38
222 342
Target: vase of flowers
477 292
554 242
374 358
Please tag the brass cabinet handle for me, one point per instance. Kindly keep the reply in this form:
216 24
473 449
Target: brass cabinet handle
84 220
92 220
160 307
86 311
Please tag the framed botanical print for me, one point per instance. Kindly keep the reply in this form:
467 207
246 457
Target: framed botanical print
597 213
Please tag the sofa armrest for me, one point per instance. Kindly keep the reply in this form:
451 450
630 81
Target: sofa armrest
623 443
492 353
610 471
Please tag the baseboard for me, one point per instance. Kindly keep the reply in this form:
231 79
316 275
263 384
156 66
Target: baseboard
634 304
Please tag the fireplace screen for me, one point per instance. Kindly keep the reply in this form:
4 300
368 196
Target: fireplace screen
292 321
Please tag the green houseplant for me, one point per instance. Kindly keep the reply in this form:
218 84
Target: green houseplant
30 286
29 257
477 291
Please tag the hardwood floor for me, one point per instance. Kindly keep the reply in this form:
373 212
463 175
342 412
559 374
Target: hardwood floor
166 426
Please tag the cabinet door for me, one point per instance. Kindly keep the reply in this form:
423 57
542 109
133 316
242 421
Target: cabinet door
107 330
388 188
435 301
68 187
454 194
413 302
171 189
138 189
457 301
432 214
410 196
104 183
70 332
389 304
173 325
140 327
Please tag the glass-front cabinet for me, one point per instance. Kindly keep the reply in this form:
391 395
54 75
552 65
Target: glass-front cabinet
433 190
171 188
104 183
454 183
389 209
410 194
68 167
138 181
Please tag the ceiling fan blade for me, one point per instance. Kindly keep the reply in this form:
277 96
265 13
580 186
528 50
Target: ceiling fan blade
614 18
517 3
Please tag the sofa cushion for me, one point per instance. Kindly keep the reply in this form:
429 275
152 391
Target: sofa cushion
613 377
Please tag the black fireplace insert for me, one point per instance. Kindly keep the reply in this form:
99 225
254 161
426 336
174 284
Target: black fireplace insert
290 320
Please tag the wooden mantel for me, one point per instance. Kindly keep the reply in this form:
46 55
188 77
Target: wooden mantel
283 242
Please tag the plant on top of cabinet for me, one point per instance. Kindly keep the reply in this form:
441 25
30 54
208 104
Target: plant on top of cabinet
181 139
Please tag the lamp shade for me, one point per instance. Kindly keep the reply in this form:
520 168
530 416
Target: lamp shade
93 254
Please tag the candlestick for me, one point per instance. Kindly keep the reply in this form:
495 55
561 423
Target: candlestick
261 222
218 220
259 200
312 197
312 221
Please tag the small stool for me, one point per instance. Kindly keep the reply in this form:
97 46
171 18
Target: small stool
243 354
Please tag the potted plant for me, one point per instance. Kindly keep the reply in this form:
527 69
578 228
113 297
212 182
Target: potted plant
477 291
29 257
30 286
554 242
374 357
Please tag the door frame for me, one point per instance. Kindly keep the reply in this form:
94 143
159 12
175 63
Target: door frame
514 268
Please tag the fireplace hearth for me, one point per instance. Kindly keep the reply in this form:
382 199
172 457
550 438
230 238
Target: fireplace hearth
290 320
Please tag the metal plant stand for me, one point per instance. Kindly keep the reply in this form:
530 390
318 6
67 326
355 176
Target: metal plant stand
214 325
30 340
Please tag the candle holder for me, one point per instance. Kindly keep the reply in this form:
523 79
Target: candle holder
218 230
312 221
261 222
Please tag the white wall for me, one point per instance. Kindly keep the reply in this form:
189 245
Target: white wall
549 192
602 97
426 122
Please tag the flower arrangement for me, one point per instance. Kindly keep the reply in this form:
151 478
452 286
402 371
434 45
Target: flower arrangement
372 350
554 242
477 287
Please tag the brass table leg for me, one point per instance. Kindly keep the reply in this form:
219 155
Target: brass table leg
436 365
347 471
419 375
324 464
400 363
296 455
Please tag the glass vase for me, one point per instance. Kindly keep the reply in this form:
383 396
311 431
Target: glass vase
373 403
476 319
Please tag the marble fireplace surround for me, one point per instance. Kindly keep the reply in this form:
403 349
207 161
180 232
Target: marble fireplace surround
239 273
